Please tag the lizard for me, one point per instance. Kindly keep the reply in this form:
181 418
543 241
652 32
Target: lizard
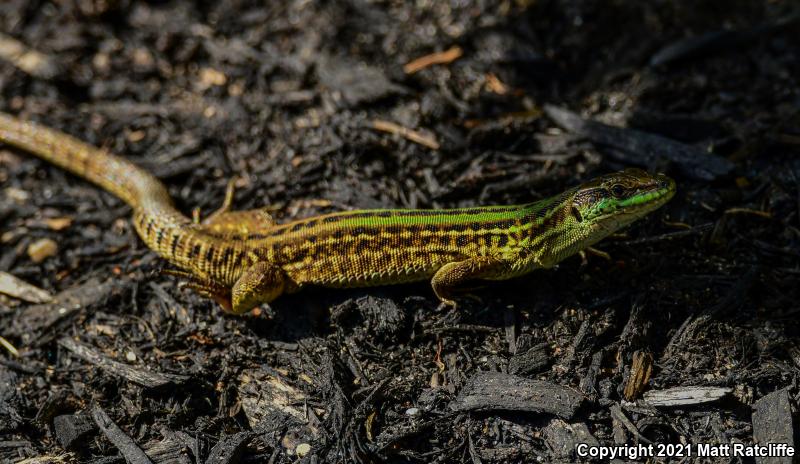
243 259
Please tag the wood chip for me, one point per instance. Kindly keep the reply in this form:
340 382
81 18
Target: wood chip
714 42
171 450
531 361
138 376
641 370
495 85
16 195
42 249
685 396
17 288
38 324
564 438
230 448
353 83
772 423
59 223
302 450
588 383
72 429
410 134
447 56
264 394
125 444
490 391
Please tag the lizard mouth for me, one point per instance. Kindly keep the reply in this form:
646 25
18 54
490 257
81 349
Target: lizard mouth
651 196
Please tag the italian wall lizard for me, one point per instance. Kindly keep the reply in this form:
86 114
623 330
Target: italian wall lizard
243 258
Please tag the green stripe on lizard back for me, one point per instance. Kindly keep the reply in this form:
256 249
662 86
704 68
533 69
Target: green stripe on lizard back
376 247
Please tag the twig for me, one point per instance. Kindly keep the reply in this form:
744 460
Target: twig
7 345
755 212
410 134
447 56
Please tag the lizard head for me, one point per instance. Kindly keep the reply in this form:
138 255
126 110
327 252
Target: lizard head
613 201
608 203
600 207
594 210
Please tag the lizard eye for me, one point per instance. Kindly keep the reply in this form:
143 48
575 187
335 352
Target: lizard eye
617 190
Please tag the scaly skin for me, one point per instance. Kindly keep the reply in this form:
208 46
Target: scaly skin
243 259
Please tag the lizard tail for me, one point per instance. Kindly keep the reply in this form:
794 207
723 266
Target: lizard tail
135 186
162 227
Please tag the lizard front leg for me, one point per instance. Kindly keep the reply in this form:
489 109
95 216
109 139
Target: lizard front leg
453 275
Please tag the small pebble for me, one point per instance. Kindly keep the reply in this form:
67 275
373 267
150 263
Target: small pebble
210 77
17 195
302 449
42 249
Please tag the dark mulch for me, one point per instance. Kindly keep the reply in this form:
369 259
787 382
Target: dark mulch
304 102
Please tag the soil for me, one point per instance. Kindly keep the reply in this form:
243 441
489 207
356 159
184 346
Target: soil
688 334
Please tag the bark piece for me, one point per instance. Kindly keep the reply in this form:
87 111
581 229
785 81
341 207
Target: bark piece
643 148
39 324
10 416
531 361
354 81
587 384
489 391
685 396
29 60
72 429
772 423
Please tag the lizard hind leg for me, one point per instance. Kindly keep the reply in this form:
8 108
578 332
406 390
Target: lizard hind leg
231 223
230 190
260 283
